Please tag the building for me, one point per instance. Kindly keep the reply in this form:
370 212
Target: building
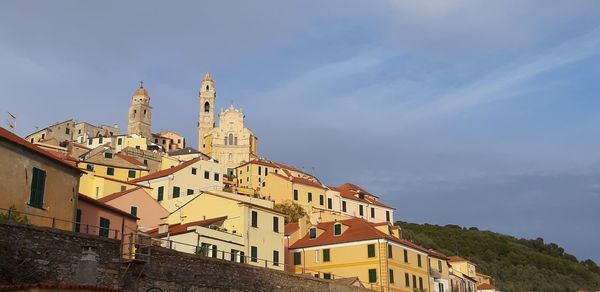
463 276
439 271
94 217
231 143
373 252
139 119
176 141
70 130
185 179
187 153
226 225
37 182
138 202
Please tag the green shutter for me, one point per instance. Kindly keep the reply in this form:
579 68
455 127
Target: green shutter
175 192
321 200
134 211
327 276
276 258
190 192
371 250
297 258
337 229
254 254
372 275
104 227
131 174
326 255
161 191
38 183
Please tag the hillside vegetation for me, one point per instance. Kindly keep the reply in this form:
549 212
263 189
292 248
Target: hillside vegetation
516 264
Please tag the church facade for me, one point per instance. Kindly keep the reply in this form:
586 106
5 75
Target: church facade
229 142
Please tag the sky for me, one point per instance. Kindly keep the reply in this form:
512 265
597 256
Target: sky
475 113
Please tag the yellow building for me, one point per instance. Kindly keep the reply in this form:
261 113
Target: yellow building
439 272
463 275
373 252
37 182
230 143
184 179
247 228
104 161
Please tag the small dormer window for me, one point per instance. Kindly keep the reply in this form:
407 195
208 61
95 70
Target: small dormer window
361 196
312 233
108 155
337 229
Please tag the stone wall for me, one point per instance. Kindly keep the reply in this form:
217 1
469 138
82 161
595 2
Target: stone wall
30 254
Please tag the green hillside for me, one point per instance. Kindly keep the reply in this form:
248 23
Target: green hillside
516 264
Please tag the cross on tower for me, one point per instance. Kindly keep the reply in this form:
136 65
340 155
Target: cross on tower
141 84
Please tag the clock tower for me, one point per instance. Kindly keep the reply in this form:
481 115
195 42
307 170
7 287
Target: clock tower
206 118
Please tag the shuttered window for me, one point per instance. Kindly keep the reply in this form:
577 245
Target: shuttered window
297 258
371 250
326 255
372 276
161 193
38 184
104 227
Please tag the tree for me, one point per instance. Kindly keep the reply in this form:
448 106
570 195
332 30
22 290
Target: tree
293 211
13 215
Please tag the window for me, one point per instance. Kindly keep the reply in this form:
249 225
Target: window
326 255
391 276
242 257
254 254
161 192
190 192
78 220
216 177
131 174
405 256
206 175
90 141
360 210
231 141
371 250
337 229
439 266
420 283
295 195
441 287
233 254
390 253
254 219
297 258
414 281
276 258
194 170
89 167
343 206
203 250
372 212
110 171
407 279
104 227
215 250
275 224
372 275
123 188
67 131
134 211
164 141
387 216
329 203
206 104
266 168
176 192
316 256
156 141
419 260
312 233
327 276
100 140
259 170
309 197
119 141
321 200
43 136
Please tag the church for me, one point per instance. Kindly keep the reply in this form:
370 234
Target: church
229 142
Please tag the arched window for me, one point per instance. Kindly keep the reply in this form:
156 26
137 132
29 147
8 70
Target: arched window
230 139
206 87
206 107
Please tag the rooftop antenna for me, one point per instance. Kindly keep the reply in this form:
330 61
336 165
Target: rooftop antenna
11 122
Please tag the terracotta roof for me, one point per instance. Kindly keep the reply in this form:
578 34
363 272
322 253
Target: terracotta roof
486 286
141 91
92 201
284 167
5 134
437 254
300 180
166 172
290 228
130 159
117 195
454 259
262 208
358 230
55 287
350 191
179 228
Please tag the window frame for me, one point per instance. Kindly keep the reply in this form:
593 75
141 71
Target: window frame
254 219
176 192
372 276
371 250
38 188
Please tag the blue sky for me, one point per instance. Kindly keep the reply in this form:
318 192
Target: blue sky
485 112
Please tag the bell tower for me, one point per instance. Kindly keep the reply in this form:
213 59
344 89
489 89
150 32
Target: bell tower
139 120
206 118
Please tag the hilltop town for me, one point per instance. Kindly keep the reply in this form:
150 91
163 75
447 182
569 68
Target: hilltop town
215 198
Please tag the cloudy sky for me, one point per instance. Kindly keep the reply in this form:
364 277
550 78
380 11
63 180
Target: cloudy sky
466 112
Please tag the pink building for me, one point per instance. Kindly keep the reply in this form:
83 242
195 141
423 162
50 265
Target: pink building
97 218
139 203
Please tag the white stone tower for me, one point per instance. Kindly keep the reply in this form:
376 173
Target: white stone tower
206 118
140 114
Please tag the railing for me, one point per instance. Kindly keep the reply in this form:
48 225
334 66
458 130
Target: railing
57 223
